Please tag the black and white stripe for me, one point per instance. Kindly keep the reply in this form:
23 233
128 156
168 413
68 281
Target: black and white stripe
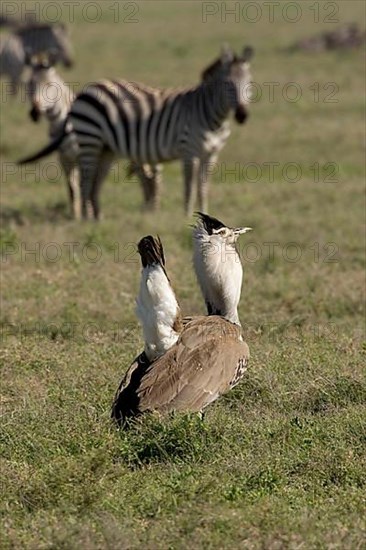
149 126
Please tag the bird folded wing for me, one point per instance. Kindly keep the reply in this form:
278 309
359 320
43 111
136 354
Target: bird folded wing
198 369
208 359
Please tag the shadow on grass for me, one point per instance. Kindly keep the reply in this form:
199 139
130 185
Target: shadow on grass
340 393
11 216
52 212
178 438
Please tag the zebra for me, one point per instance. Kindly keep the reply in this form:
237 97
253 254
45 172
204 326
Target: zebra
12 60
117 118
50 96
27 40
45 37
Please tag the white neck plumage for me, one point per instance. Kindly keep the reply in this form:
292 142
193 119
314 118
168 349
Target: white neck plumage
219 273
158 311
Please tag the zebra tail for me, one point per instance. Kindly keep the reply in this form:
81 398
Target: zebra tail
45 151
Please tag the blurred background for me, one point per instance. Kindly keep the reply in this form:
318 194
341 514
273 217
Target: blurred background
295 173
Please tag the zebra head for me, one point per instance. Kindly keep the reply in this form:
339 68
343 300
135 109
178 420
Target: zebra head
41 38
231 79
42 86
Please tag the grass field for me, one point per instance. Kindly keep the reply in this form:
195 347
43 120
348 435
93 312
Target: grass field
280 461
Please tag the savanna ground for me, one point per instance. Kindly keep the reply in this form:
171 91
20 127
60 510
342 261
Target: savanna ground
280 461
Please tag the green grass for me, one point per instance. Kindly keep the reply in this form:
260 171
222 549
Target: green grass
280 461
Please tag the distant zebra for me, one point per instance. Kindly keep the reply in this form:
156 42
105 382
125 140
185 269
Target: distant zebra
116 118
29 40
47 38
12 60
50 96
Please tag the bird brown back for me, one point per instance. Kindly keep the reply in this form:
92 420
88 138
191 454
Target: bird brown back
206 362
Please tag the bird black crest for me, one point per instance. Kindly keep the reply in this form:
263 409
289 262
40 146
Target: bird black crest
151 251
209 223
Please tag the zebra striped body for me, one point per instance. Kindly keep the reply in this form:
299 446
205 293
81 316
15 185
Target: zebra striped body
50 97
149 126
29 40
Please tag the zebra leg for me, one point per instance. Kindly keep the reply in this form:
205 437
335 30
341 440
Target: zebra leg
191 167
104 165
70 187
150 180
155 185
88 167
203 183
73 187
145 173
74 192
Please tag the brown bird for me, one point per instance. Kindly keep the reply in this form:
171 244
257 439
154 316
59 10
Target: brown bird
187 364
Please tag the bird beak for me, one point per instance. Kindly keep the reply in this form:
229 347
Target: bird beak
241 230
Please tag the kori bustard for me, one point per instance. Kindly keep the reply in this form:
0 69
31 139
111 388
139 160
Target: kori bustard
187 363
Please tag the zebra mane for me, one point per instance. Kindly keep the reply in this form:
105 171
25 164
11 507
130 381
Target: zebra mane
211 70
